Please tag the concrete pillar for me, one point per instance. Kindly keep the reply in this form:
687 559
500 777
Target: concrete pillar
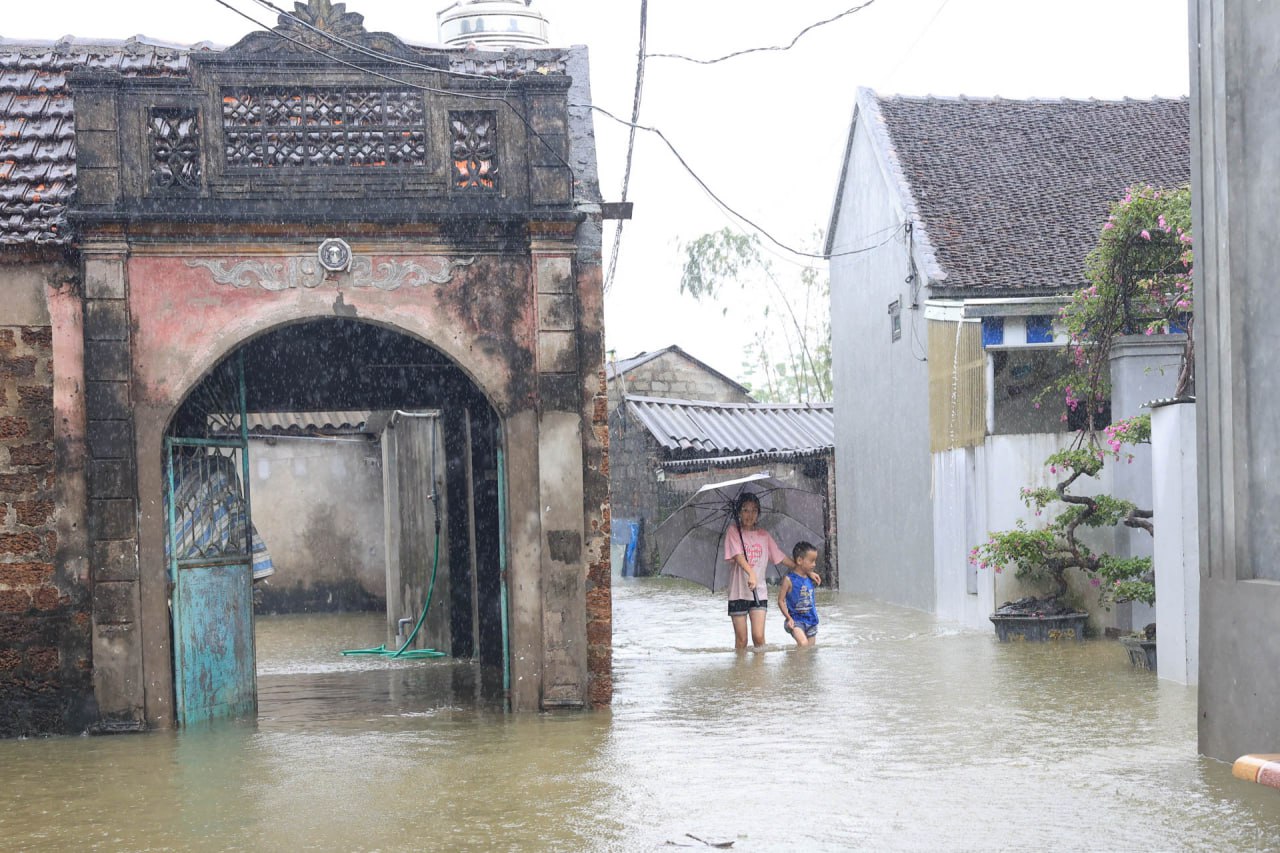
1177 541
1143 368
1236 200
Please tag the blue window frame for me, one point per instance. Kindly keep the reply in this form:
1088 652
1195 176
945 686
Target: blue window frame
1040 329
992 331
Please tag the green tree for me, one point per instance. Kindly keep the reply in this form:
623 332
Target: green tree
788 358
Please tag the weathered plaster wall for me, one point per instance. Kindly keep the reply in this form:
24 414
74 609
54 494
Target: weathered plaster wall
45 596
318 507
184 322
633 460
1235 47
883 468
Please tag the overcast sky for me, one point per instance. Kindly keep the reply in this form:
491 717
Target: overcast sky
765 131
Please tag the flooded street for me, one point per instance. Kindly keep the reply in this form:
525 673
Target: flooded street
896 733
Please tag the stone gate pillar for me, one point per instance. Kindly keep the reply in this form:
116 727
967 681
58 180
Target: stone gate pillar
112 486
560 473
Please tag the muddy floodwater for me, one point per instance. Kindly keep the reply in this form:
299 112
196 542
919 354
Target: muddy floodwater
897 732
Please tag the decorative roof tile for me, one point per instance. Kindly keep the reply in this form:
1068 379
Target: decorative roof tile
37 125
1011 195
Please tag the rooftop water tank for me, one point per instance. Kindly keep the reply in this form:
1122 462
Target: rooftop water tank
493 24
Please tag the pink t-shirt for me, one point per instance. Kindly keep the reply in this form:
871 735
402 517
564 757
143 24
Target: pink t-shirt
761 551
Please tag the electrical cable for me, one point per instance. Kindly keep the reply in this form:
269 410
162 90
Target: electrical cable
725 205
715 197
737 53
907 53
631 141
419 86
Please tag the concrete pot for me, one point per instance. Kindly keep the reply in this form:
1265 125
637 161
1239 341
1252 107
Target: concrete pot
1142 653
1039 629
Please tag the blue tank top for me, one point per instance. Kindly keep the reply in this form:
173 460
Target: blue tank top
800 603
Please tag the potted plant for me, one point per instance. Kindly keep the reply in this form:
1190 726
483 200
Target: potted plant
1044 555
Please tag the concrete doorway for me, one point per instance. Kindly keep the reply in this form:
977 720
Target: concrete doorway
417 436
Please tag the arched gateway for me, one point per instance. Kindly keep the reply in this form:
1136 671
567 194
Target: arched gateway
276 211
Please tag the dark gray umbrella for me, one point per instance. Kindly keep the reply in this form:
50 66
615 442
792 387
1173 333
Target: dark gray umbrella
691 541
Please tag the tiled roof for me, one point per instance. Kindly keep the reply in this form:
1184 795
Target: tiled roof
37 124
697 428
1011 195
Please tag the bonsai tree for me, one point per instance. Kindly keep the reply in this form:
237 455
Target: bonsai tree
1044 555
1139 282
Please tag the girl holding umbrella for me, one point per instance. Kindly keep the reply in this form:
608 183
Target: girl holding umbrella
750 550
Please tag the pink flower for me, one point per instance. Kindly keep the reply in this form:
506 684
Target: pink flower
1144 234
1108 226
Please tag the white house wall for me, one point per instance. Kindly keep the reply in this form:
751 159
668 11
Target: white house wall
883 469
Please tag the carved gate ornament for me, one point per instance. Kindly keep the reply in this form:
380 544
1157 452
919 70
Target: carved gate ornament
175 149
292 273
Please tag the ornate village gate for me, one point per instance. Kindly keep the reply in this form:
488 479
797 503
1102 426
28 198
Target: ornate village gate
297 178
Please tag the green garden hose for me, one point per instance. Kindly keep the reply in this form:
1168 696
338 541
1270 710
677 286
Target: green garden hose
404 651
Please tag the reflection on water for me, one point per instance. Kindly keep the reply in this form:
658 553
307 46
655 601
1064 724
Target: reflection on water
895 733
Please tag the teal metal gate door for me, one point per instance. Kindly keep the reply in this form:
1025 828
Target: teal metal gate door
210 548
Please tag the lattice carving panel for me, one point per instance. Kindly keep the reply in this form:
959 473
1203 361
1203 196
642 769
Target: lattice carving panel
323 129
475 150
175 150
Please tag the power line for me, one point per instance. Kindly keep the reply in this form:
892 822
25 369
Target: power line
737 53
635 125
419 86
725 205
631 142
907 53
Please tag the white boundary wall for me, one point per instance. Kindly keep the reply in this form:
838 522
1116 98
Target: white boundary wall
1177 542
976 490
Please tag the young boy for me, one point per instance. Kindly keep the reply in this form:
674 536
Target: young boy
796 595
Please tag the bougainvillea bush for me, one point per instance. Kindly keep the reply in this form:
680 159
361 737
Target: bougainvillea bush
1139 281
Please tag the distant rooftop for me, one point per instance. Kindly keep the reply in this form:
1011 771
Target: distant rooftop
623 366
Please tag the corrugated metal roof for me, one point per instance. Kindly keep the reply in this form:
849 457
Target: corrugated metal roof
691 427
300 423
746 459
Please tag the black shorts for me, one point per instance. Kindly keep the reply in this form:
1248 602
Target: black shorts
742 606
